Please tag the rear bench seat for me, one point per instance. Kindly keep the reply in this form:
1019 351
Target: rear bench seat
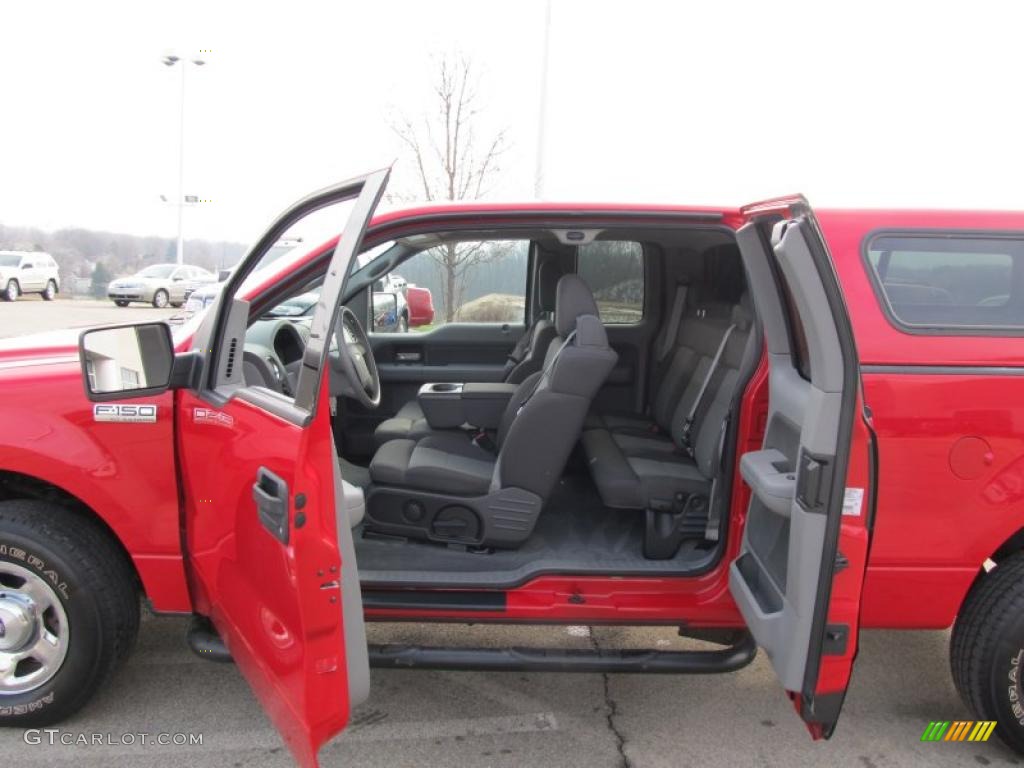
657 463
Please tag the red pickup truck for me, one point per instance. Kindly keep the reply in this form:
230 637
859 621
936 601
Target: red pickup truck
769 426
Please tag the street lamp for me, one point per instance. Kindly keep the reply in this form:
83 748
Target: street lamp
171 60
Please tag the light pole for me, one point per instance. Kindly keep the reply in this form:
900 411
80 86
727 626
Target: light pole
171 60
542 107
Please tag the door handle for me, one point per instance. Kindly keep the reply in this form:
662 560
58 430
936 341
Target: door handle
270 493
408 357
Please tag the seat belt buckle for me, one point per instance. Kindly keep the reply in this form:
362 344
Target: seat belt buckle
482 440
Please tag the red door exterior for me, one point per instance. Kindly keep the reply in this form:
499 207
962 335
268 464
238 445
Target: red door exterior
276 606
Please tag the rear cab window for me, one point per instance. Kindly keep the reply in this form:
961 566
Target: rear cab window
949 282
614 272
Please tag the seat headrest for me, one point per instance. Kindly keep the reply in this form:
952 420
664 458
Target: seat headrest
547 285
573 298
743 313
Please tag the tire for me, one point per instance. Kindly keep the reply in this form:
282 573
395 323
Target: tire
121 302
50 291
160 298
403 324
987 650
95 610
11 291
177 304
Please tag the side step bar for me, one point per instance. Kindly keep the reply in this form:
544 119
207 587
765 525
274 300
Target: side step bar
206 643
542 660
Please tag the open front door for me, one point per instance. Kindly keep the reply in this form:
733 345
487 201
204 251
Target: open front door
798 577
268 534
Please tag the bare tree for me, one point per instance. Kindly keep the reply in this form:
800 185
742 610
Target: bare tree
453 162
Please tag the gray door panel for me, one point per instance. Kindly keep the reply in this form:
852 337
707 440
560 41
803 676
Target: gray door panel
776 577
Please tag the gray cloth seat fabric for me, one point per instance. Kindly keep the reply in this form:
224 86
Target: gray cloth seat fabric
637 464
446 461
526 358
409 423
538 429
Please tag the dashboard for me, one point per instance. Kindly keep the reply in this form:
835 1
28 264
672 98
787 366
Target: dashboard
273 353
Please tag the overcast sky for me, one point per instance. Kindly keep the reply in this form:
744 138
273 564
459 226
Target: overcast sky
854 104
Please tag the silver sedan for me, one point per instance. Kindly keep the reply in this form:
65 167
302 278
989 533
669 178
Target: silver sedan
159 285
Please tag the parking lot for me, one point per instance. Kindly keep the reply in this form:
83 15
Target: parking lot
417 718
30 314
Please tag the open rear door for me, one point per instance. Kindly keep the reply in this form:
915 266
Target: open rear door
799 573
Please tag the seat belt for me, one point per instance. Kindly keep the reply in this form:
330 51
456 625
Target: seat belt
714 504
688 422
672 330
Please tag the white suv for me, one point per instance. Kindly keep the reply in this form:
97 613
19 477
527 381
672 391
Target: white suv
28 272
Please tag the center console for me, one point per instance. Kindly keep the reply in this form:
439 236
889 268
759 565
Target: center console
447 405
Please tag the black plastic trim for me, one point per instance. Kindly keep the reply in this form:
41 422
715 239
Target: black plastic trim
851 390
434 600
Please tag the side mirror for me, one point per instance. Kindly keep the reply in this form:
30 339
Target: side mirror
385 311
126 361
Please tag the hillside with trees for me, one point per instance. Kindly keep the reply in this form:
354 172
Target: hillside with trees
79 251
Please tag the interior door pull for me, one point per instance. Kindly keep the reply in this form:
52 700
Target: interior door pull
408 357
270 493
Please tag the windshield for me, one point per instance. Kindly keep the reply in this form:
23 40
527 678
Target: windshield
369 255
9 259
158 270
295 306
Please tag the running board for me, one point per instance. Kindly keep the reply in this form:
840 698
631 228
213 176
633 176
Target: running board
558 660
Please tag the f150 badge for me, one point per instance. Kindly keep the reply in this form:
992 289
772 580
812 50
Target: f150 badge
124 412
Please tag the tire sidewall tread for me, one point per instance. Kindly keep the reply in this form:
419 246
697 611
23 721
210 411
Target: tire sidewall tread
102 603
987 637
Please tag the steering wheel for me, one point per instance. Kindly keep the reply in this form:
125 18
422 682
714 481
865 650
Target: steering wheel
353 359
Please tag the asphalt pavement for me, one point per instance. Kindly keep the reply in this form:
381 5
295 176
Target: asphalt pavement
30 314
428 718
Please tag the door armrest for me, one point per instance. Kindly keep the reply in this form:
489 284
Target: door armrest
771 477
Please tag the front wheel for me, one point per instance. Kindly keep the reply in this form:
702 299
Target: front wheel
50 291
69 611
987 650
160 299
11 291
